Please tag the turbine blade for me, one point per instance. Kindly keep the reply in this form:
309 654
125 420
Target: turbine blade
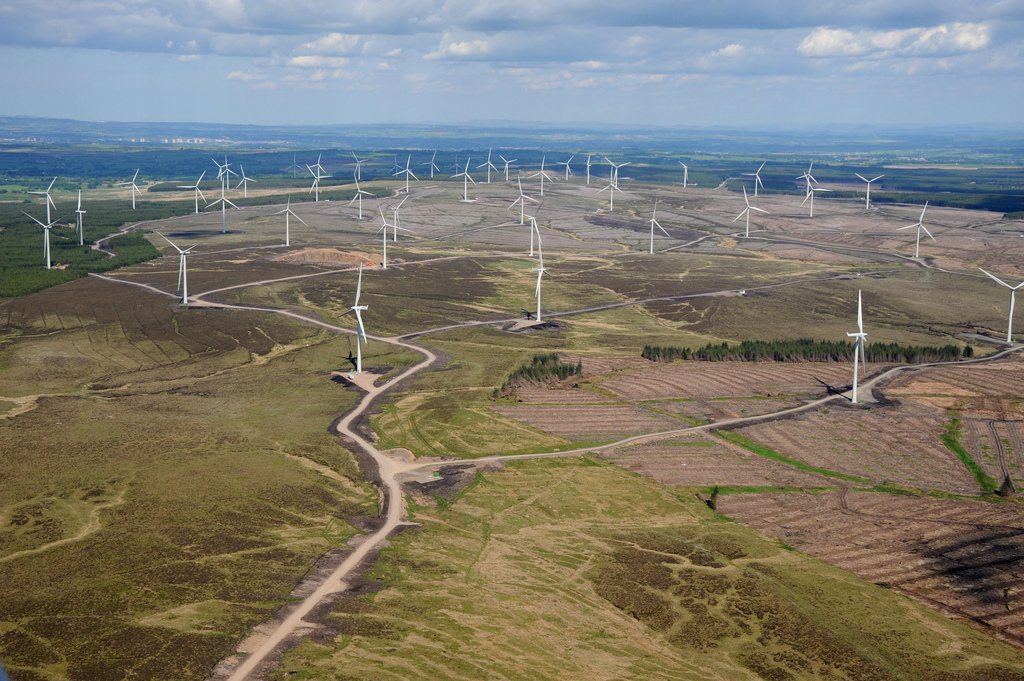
988 273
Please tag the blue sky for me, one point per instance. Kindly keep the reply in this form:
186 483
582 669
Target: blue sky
659 62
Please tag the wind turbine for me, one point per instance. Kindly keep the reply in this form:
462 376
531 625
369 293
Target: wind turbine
746 211
78 214
540 270
523 198
398 221
920 225
757 178
867 198
654 223
542 174
243 183
809 179
611 187
588 170
198 191
568 171
433 166
465 184
287 212
405 171
384 228
359 166
134 187
534 229
686 173
1013 296
315 172
224 203
46 238
858 347
615 170
49 201
359 196
182 274
360 331
489 166
810 195
294 168
507 161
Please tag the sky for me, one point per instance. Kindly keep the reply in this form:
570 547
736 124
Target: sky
747 63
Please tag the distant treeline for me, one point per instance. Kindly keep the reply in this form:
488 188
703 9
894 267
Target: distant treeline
544 367
807 350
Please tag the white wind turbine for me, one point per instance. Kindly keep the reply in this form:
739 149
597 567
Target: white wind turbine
542 174
288 212
746 211
686 173
615 170
920 225
858 347
588 169
867 197
613 183
360 192
316 171
244 183
182 273
294 168
654 223
195 187
134 187
360 331
568 170
49 201
397 225
224 202
757 178
46 238
1013 296
465 184
490 166
78 215
408 173
507 162
359 166
433 166
523 198
810 195
809 179
384 229
540 270
534 229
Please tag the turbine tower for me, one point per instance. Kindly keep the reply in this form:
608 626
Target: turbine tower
182 273
654 223
244 183
359 196
49 201
134 187
920 225
78 214
858 347
746 211
384 229
46 239
465 184
867 197
810 195
1013 296
568 170
487 164
757 178
523 198
408 173
316 171
686 173
588 169
542 174
433 166
360 331
195 187
397 225
507 162
541 271
359 166
288 212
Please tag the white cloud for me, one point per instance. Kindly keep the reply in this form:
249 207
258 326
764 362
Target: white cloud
333 43
246 75
459 50
189 57
591 65
733 50
310 61
944 39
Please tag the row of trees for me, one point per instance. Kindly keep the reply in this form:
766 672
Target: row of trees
545 367
808 350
